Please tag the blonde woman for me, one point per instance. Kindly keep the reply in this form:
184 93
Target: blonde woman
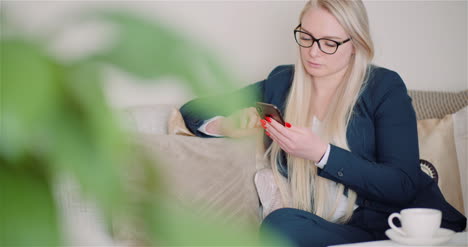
348 156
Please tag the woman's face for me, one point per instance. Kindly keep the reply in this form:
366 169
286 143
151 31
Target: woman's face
321 24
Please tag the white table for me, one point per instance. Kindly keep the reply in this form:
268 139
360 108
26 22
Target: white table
459 239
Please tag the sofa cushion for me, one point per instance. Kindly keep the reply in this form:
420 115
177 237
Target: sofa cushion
437 146
460 126
211 176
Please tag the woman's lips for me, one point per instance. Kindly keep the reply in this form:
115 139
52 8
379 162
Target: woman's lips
314 65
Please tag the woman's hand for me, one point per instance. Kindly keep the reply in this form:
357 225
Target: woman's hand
297 141
242 123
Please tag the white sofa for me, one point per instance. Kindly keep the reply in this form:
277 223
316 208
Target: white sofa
216 174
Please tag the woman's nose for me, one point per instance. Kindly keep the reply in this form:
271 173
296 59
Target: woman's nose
314 50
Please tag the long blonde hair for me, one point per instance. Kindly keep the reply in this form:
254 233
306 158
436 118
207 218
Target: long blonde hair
304 189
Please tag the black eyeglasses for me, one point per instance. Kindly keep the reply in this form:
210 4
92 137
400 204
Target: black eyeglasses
306 40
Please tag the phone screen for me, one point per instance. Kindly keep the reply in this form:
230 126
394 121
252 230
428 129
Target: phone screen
269 110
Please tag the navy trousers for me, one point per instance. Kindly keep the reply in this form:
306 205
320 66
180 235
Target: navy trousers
301 228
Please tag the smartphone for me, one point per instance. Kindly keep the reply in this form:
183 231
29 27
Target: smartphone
269 110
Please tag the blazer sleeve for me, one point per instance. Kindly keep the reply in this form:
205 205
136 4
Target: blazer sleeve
393 176
196 111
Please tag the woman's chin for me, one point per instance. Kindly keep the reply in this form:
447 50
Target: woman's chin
316 72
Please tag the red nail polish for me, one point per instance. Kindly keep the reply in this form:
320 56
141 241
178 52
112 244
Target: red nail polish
262 121
288 125
268 119
267 133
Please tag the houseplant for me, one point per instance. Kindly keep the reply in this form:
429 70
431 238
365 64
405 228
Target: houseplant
55 121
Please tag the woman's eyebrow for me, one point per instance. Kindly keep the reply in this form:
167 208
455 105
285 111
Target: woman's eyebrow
326 37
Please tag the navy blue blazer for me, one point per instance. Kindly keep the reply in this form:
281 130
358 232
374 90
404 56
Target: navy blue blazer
383 164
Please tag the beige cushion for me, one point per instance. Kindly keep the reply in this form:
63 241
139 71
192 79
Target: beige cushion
437 145
460 126
213 176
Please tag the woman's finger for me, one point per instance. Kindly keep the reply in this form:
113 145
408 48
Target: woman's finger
282 138
281 142
279 129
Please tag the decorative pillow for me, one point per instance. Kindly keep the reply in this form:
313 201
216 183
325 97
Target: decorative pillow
460 126
437 147
429 169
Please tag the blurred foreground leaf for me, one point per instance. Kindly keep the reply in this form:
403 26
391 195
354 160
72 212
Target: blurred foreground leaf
55 120
28 215
29 98
183 228
151 50
59 114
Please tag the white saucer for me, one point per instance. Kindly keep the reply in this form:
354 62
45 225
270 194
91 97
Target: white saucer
442 235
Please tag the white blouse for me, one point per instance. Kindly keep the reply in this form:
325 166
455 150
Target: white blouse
333 186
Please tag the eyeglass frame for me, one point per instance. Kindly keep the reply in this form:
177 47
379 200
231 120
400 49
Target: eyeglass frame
338 43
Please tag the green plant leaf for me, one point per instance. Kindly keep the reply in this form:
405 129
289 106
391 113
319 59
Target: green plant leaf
27 209
173 225
28 97
55 120
148 49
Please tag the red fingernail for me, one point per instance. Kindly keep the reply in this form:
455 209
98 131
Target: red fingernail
267 133
268 119
288 125
262 121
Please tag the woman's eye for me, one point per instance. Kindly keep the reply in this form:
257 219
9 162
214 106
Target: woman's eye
305 38
330 44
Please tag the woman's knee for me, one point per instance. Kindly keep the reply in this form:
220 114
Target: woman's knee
290 223
288 215
303 228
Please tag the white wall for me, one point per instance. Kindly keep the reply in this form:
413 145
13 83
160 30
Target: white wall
425 41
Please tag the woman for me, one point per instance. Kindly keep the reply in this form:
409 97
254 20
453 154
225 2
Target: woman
350 149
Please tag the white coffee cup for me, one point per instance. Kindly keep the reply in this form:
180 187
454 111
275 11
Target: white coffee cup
417 222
